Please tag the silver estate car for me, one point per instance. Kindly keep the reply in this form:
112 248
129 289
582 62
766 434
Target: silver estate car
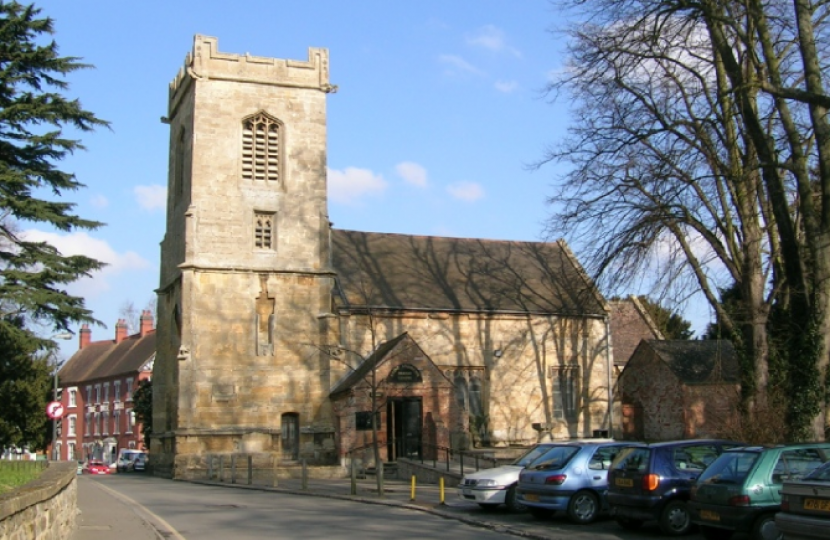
571 477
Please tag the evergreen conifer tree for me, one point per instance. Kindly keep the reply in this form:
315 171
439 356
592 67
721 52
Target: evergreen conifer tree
33 117
37 124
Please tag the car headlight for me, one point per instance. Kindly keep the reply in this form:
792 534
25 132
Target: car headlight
487 483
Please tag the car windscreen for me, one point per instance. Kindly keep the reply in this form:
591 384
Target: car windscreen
822 473
729 468
532 455
555 458
632 459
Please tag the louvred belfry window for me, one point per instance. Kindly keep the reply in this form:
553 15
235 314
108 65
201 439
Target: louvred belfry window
261 141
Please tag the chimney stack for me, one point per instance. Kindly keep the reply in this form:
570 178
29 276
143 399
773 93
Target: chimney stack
120 330
146 322
85 336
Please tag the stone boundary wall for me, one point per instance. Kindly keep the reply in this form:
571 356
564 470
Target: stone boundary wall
44 509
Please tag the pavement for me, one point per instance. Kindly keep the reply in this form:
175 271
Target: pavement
105 514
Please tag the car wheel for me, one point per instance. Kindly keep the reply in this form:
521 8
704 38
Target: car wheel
714 533
583 507
629 524
540 513
675 519
765 529
511 500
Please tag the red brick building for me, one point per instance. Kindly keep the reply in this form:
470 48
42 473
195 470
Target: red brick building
96 389
680 390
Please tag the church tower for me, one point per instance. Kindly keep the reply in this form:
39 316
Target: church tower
245 282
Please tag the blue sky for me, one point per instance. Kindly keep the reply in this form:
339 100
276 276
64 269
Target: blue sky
438 115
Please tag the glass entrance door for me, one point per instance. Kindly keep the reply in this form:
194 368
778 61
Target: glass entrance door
403 427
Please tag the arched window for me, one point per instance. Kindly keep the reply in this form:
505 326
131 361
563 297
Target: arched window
475 396
178 166
261 147
460 390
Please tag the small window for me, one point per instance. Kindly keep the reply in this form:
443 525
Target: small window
128 392
264 230
73 397
363 420
116 422
117 390
71 427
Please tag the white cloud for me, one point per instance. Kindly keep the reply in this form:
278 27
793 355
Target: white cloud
506 86
456 64
466 191
99 201
412 173
81 243
352 184
152 197
491 38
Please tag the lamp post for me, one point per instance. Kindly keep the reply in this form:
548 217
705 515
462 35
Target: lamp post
62 335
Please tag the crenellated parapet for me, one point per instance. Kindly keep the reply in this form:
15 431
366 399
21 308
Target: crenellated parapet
206 62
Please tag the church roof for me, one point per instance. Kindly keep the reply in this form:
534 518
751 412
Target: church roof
367 365
697 361
104 359
395 271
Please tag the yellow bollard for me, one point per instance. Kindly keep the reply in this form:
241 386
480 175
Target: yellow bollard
441 490
412 490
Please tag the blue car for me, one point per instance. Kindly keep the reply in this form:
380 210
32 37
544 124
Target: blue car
571 477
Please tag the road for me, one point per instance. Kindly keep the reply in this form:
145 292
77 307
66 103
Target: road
185 511
181 511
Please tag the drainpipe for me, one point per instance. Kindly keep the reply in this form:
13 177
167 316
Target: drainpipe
609 365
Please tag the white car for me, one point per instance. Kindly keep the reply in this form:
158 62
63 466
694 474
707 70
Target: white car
492 487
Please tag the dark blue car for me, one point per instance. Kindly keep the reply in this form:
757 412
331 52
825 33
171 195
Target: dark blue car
653 482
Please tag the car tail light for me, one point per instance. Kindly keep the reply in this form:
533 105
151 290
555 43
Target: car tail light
739 500
650 482
785 503
556 479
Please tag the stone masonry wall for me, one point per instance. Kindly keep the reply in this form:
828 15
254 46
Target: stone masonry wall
518 384
239 338
44 509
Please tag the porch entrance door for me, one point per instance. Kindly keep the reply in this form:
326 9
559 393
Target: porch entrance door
403 427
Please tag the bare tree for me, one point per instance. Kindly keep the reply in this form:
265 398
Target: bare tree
698 162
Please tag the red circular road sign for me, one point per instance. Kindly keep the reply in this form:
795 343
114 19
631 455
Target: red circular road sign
54 409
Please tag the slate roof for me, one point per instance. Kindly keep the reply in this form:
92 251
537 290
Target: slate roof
395 271
367 365
695 361
104 359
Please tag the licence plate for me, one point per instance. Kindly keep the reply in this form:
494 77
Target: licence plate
822 505
468 492
708 515
624 482
531 497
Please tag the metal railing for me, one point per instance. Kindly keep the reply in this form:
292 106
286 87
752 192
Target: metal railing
447 456
443 455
